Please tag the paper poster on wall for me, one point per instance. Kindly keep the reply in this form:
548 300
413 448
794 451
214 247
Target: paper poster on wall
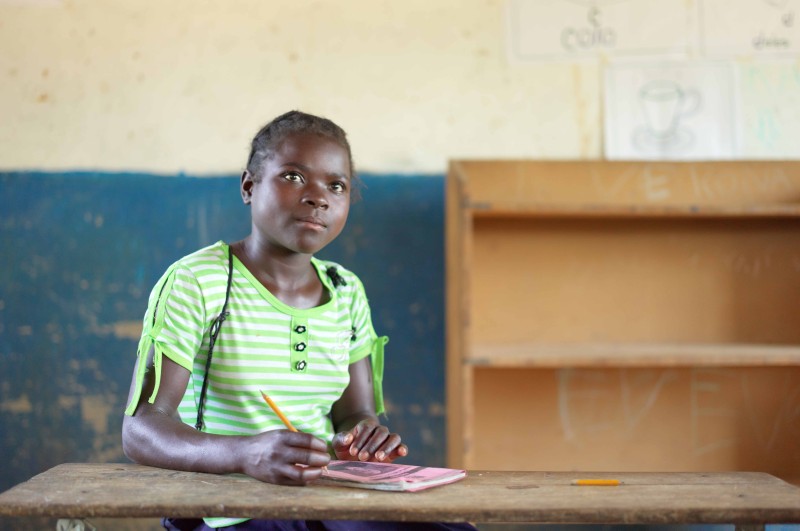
770 109
749 27
670 111
570 29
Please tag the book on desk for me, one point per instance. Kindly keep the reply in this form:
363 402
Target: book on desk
388 476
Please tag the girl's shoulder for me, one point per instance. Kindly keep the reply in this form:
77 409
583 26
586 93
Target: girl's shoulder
207 263
213 254
193 275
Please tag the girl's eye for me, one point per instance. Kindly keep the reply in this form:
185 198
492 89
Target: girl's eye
294 177
338 187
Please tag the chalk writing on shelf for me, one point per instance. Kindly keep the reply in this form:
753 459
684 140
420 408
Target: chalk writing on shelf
745 182
659 183
592 401
584 271
655 185
649 183
765 264
767 428
721 400
711 411
725 406
647 180
747 265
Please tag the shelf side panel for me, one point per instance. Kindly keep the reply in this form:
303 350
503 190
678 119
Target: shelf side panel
456 236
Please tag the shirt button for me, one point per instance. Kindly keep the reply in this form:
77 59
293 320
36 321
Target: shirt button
300 347
300 365
300 329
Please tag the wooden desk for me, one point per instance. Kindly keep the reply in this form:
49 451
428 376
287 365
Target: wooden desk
126 490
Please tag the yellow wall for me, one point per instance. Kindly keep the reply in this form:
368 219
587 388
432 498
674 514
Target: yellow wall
182 85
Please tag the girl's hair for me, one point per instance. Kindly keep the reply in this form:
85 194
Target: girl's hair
294 122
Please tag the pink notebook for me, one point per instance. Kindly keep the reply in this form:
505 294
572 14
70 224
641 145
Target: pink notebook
388 476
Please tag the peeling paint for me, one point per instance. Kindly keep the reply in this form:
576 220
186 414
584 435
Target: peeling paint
436 409
95 411
120 329
21 405
128 329
67 402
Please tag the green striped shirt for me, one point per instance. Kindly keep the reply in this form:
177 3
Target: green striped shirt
300 357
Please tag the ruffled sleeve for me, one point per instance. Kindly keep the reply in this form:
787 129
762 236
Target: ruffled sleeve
377 372
173 326
366 342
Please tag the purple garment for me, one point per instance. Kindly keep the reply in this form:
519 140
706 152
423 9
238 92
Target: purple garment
191 524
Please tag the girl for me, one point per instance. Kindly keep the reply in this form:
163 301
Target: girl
263 314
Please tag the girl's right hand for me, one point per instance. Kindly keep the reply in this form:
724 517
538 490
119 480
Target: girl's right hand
155 436
285 457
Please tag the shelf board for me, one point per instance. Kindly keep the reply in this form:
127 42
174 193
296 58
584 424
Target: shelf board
555 356
512 209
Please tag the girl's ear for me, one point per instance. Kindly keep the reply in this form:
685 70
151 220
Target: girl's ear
246 187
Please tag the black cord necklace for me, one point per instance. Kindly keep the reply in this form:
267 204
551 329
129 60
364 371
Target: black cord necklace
214 332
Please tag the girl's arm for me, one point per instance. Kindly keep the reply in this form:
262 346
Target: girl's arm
360 435
154 435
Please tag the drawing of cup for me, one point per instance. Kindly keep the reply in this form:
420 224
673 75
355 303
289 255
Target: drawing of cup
664 103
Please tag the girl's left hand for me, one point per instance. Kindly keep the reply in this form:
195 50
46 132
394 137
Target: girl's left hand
368 441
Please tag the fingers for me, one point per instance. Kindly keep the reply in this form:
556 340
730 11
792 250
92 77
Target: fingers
286 458
305 457
370 442
303 440
341 445
342 440
380 439
400 451
295 475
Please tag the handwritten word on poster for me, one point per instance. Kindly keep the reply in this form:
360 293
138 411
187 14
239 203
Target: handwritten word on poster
751 28
569 29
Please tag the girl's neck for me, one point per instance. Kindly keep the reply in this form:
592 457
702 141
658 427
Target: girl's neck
288 276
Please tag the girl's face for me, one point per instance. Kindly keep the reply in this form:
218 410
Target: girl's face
301 201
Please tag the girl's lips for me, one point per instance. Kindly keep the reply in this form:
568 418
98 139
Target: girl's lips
315 222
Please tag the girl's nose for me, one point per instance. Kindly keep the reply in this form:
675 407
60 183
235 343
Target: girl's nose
316 200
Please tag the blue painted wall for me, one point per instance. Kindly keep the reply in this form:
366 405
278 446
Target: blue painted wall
81 251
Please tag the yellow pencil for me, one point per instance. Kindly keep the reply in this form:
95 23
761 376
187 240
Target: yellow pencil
596 482
278 412
281 416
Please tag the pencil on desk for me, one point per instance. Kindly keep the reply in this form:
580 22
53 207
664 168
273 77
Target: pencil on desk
278 411
596 482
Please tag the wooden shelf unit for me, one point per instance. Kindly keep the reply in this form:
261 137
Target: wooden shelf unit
623 316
